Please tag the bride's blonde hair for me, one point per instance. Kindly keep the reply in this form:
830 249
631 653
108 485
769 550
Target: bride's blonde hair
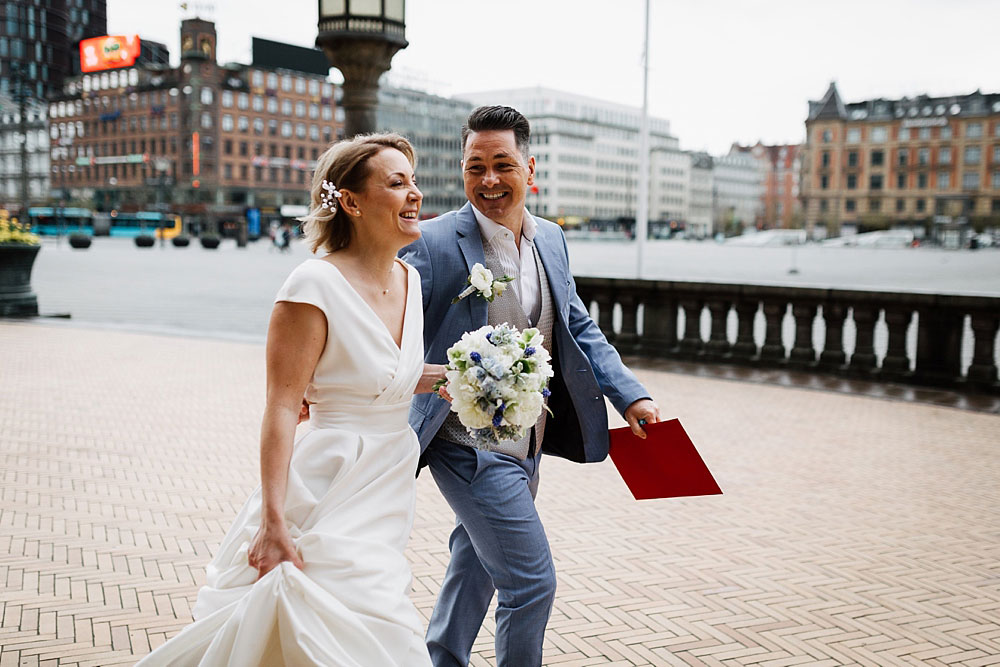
345 165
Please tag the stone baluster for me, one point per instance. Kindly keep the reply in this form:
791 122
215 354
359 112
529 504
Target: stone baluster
774 313
605 314
896 363
833 356
659 325
863 358
691 345
803 353
745 348
984 364
718 342
939 345
628 339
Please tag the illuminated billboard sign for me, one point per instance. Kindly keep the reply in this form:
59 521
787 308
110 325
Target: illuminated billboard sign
108 52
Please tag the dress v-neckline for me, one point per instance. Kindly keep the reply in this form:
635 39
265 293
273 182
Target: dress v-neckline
382 324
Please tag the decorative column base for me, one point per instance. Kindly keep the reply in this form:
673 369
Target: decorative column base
362 62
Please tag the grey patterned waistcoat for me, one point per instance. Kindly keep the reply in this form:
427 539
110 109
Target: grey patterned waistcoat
507 308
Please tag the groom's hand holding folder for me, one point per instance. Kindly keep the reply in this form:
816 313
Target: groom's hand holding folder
664 464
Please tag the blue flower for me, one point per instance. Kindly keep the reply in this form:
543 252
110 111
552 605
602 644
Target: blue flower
528 351
488 336
497 419
494 367
546 393
475 356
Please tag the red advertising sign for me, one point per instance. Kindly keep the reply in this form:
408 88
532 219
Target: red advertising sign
108 52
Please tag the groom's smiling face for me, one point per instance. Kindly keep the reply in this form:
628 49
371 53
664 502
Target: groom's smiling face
497 175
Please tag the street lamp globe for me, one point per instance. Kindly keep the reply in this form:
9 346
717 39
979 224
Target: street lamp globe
360 37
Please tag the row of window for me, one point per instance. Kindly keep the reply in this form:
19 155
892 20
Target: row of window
121 78
101 173
919 206
258 149
287 108
155 98
288 82
115 148
161 121
970 181
616 166
880 133
264 175
106 80
972 155
285 128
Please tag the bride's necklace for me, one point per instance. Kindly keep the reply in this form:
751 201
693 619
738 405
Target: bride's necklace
384 290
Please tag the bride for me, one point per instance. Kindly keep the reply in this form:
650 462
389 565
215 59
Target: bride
312 571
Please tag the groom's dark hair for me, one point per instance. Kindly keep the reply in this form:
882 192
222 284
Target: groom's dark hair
483 119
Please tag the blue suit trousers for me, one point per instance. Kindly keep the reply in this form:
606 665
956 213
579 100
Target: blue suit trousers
498 544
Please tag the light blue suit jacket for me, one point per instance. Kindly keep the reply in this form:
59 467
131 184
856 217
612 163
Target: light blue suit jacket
585 364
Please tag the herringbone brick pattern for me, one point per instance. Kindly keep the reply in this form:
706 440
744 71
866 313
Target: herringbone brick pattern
852 530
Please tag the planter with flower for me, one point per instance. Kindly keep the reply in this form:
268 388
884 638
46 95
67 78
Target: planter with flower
18 248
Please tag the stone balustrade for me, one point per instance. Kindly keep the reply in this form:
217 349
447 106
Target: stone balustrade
929 339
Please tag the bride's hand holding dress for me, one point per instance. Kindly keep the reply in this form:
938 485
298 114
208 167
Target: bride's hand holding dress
296 338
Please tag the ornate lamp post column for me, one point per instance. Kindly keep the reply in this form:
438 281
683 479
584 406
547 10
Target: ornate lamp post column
360 37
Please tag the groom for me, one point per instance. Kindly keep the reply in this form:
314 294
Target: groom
498 543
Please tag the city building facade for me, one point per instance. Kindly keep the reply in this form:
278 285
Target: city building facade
216 141
670 185
38 42
781 166
917 162
586 151
34 155
433 125
38 49
701 198
737 192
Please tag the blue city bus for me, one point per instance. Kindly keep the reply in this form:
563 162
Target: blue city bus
46 220
52 221
144 222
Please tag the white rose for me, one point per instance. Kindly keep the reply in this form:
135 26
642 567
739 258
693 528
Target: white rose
482 279
470 415
499 287
527 410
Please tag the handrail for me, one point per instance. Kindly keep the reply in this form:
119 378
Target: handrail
928 339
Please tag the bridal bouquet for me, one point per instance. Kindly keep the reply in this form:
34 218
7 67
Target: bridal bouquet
498 380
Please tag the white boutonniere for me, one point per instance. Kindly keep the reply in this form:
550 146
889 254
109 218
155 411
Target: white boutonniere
482 283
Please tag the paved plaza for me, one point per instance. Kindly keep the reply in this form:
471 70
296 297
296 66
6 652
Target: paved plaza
852 530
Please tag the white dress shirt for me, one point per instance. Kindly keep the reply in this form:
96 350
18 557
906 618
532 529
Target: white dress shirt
518 262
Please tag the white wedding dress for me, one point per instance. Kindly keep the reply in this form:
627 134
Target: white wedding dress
349 506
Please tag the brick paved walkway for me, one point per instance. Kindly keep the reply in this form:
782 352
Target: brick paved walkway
852 531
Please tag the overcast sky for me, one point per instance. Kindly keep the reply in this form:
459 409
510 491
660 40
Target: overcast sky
720 71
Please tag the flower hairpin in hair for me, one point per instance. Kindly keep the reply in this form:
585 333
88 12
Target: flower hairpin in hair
328 199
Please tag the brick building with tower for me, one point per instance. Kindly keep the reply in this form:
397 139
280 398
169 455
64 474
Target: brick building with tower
215 141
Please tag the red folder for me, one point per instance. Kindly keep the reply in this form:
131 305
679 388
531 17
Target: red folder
664 465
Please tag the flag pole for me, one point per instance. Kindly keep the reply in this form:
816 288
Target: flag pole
642 210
